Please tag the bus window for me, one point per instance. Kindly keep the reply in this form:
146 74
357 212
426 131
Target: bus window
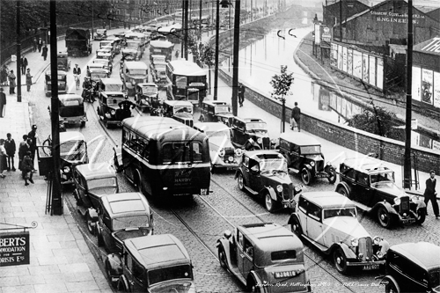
177 152
197 152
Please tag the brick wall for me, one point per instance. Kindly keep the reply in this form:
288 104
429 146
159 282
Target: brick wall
363 142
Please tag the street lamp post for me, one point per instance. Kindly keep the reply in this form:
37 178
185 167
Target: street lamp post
217 30
18 73
235 63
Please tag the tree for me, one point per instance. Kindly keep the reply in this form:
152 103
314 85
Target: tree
208 57
281 85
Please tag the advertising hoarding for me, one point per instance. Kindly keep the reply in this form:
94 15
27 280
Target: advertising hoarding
437 89
372 72
416 83
365 66
427 86
350 61
340 57
344 59
379 73
334 55
14 248
357 64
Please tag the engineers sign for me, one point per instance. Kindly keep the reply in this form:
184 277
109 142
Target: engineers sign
14 248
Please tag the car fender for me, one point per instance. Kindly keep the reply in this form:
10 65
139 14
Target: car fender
226 245
124 280
93 214
292 218
308 167
271 192
236 174
344 185
115 263
390 279
387 206
254 276
421 205
349 254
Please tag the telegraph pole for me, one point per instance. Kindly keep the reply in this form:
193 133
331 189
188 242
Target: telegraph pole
18 73
185 41
56 204
236 60
217 32
407 160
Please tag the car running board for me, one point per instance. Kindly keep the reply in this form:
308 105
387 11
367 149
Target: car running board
293 170
251 190
322 248
236 272
362 206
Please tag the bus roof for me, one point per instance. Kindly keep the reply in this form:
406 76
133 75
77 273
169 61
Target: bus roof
157 127
161 44
188 68
136 65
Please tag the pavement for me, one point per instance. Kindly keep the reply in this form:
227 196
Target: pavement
60 260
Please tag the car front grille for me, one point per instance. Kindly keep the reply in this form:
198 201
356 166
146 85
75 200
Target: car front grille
287 192
404 204
319 165
366 247
266 143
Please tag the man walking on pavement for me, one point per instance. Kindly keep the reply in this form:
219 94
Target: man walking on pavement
431 194
24 64
12 83
23 148
28 79
32 136
10 148
295 119
39 44
44 54
241 94
2 102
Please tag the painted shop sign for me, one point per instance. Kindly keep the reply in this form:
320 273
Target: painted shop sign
14 248
385 16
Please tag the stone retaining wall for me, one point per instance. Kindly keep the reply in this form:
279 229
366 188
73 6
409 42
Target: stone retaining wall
363 142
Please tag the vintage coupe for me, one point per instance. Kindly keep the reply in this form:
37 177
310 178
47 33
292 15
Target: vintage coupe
264 173
156 263
266 257
371 186
304 157
328 220
250 133
223 154
123 216
412 267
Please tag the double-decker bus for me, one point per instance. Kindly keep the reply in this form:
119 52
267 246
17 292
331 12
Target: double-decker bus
187 81
163 157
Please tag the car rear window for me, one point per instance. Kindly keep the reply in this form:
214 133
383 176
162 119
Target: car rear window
311 149
283 255
126 206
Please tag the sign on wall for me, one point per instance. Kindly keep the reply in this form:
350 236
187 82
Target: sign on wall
340 57
326 36
334 55
365 67
14 249
350 61
416 83
379 73
437 89
357 64
372 71
427 86
344 59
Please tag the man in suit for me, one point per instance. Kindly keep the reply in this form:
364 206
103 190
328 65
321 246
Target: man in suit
431 194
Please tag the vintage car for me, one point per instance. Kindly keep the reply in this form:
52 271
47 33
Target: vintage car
156 263
264 173
146 96
223 154
71 110
132 73
105 53
111 99
265 257
215 111
250 133
97 73
182 110
63 62
91 182
159 73
100 34
110 43
304 157
132 51
123 216
328 220
62 82
73 152
370 184
116 42
107 64
412 267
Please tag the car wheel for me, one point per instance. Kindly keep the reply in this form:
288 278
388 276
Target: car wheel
222 258
108 272
269 203
121 285
306 176
421 216
342 190
331 176
240 181
385 219
391 287
296 228
253 287
90 225
340 261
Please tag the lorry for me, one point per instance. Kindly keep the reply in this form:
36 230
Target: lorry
78 42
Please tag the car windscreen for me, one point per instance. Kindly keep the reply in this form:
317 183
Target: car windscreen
183 109
149 90
310 149
169 273
382 177
103 44
98 75
340 212
131 45
113 101
219 138
256 126
273 164
113 87
101 183
222 109
434 280
73 150
138 71
71 111
137 221
178 152
283 255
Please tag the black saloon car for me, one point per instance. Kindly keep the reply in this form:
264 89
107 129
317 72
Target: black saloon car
370 184
250 133
215 111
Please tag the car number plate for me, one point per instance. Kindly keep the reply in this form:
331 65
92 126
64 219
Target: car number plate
408 221
370 267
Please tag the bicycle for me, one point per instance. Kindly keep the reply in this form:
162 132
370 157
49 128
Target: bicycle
47 146
77 77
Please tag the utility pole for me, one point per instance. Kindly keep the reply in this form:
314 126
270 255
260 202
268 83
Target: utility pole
217 32
183 28
185 40
18 73
236 60
200 22
56 204
407 160
340 20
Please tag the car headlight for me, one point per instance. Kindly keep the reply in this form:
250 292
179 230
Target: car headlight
221 153
231 159
113 112
133 82
312 163
397 201
415 199
259 140
377 240
280 188
298 188
354 242
66 169
238 152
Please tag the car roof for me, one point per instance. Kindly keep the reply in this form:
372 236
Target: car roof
111 81
215 103
263 154
366 164
211 126
161 44
136 65
178 103
125 204
185 67
71 135
69 96
424 254
98 69
96 170
299 138
157 250
247 120
147 84
257 233
328 199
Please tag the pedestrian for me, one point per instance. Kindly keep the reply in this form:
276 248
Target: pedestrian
23 148
10 148
430 194
44 54
177 54
2 102
27 169
3 155
39 44
12 83
32 140
295 119
4 75
28 79
241 90
24 64
34 44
